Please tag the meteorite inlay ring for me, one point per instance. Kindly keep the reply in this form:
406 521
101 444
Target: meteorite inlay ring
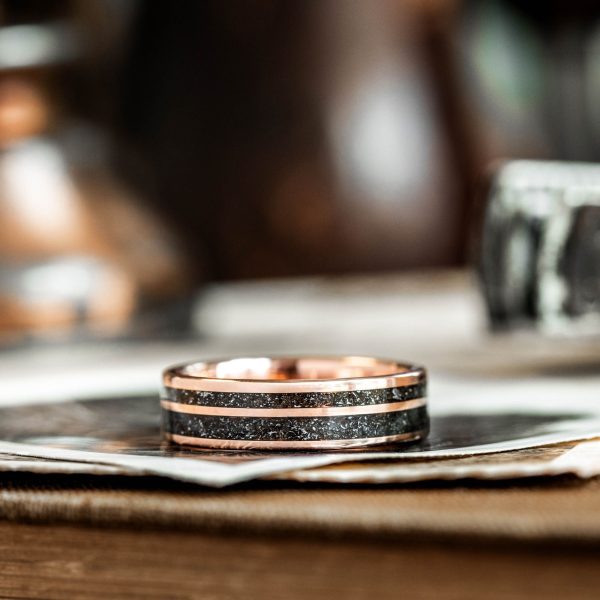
294 403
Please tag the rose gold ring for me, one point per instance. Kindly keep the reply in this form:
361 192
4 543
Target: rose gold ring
294 403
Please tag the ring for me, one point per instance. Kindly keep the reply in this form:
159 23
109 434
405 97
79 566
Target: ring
294 403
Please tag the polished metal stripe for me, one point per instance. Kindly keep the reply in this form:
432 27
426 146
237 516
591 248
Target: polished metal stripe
323 411
232 386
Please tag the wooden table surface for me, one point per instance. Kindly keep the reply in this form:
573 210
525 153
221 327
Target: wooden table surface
79 540
107 537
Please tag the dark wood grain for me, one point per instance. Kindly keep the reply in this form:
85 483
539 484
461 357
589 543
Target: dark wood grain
63 561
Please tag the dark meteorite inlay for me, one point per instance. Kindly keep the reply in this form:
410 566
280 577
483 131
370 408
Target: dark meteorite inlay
296 428
297 400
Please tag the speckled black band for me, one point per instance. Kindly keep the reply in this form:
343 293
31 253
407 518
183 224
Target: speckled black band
303 400
346 427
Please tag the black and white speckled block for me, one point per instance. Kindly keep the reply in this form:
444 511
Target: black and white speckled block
303 400
273 429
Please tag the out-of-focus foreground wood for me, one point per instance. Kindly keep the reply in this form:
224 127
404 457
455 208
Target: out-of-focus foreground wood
50 561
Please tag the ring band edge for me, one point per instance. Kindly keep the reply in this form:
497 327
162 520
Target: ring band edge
223 444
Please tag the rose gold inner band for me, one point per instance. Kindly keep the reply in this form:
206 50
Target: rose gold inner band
293 445
323 411
293 375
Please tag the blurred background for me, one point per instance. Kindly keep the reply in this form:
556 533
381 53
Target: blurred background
147 148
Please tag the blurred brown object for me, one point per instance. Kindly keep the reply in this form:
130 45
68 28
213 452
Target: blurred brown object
323 136
299 137
79 252
23 112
